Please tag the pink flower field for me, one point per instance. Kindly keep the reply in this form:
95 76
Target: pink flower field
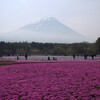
60 80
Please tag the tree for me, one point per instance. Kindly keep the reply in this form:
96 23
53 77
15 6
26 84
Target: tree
98 45
58 50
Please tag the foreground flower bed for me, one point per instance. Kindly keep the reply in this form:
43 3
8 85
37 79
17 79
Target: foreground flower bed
14 62
6 62
63 80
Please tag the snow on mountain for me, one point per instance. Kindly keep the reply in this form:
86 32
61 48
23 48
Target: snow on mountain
47 30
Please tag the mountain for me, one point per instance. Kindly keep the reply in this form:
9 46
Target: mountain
47 30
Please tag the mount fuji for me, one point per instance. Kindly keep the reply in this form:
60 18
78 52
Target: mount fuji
47 30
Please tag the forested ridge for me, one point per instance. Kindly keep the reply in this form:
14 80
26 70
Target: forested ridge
35 48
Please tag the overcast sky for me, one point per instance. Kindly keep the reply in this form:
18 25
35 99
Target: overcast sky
81 15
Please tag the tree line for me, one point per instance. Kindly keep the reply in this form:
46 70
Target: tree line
35 48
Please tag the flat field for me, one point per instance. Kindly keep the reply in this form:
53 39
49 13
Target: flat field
59 80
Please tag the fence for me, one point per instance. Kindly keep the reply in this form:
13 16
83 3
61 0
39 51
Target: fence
46 57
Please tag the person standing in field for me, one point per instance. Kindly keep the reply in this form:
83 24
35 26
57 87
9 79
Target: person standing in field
73 56
48 58
92 56
17 57
85 56
26 56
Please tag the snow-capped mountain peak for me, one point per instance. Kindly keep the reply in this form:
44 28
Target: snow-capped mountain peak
48 29
43 19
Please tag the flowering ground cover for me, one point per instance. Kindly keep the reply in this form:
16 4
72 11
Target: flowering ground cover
6 62
13 62
61 80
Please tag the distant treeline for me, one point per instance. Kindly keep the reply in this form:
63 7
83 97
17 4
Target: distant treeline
35 48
